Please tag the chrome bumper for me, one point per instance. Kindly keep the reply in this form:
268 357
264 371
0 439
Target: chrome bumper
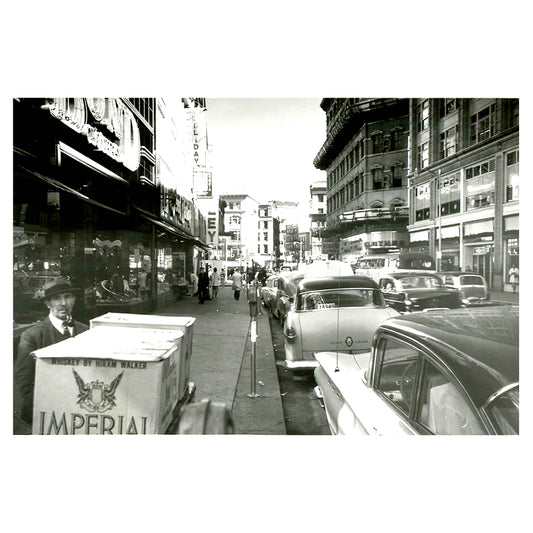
301 365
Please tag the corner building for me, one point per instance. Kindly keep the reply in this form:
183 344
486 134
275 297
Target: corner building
365 156
464 184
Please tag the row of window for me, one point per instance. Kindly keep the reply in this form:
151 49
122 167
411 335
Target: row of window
482 126
479 188
354 156
381 179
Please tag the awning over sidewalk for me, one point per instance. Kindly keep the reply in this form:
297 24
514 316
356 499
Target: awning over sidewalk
173 230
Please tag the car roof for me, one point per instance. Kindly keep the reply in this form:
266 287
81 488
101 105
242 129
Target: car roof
480 345
337 282
410 273
458 273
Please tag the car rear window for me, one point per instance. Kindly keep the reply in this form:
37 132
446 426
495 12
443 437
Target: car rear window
419 282
334 298
471 280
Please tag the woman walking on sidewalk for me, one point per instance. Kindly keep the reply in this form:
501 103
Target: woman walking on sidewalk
237 284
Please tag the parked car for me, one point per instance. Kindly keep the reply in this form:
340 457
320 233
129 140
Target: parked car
332 313
284 298
416 291
472 288
443 372
269 291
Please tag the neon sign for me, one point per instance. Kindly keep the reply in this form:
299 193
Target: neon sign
108 113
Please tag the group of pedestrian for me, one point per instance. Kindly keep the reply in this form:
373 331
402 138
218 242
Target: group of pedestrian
203 282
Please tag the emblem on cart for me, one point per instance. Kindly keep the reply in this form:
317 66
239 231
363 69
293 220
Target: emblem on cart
96 396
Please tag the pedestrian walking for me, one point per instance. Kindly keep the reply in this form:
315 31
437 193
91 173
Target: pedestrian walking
59 297
514 277
215 282
203 286
236 284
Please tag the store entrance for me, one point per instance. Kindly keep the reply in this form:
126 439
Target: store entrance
483 261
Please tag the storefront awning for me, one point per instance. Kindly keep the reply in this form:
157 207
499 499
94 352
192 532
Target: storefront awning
65 188
419 236
169 228
476 228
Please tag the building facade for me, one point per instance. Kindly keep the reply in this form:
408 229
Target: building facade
365 156
241 216
94 200
268 250
317 216
464 176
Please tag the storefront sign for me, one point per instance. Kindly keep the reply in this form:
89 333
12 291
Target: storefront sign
101 119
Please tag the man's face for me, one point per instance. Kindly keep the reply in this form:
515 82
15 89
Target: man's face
61 304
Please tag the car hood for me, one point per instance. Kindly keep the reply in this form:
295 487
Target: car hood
332 329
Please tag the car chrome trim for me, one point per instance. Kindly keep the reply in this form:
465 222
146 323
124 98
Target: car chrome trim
292 365
499 393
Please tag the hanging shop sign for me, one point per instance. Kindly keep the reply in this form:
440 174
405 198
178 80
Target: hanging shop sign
107 124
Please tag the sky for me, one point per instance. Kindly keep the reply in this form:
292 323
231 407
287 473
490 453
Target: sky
264 147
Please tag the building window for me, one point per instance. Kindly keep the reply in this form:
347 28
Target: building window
396 175
512 189
265 235
422 202
447 106
448 142
320 210
396 139
377 142
480 182
265 248
482 124
423 155
320 197
377 179
265 224
423 115
449 194
514 113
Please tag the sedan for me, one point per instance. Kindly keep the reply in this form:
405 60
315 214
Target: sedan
472 287
416 291
332 313
269 291
440 372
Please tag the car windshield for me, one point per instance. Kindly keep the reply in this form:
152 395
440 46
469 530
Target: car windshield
334 298
504 411
471 280
418 282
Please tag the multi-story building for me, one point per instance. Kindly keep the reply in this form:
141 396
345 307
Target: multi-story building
365 157
293 244
317 215
99 197
268 237
464 174
241 215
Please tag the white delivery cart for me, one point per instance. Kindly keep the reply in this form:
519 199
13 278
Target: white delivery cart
111 380
185 324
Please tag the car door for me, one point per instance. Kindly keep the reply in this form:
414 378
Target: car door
390 294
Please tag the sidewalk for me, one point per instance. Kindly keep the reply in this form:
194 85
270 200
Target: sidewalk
221 361
508 297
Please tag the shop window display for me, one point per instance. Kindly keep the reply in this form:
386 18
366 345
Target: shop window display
111 269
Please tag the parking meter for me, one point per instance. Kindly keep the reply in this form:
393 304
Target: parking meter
252 298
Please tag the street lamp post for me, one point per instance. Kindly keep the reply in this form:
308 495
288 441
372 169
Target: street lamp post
439 198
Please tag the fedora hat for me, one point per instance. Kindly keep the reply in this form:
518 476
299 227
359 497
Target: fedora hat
57 286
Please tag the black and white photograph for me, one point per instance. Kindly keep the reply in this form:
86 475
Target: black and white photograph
224 286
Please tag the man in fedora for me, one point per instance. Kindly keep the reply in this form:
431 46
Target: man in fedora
59 297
